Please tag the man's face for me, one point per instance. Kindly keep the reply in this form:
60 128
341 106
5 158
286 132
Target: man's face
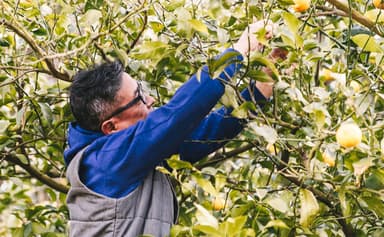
134 103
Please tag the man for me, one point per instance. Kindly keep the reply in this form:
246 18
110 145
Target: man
118 140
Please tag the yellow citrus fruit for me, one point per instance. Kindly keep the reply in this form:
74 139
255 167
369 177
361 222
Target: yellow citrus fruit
301 5
378 4
218 203
328 159
348 135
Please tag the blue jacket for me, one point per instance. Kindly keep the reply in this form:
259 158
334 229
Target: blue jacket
114 165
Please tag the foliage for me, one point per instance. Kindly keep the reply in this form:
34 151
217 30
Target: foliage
274 177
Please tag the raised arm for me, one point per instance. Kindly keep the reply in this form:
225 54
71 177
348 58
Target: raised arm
215 130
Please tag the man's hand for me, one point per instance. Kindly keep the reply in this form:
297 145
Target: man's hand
248 40
266 88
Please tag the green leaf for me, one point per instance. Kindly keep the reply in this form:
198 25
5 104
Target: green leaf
4 43
277 223
122 56
205 184
177 230
4 125
229 98
375 180
309 207
47 112
163 170
153 50
288 40
319 118
198 26
259 75
310 45
216 66
362 103
378 233
28 229
156 26
91 18
51 194
232 226
375 204
38 228
291 22
344 202
39 31
173 5
258 59
367 43
21 117
261 36
277 203
93 4
359 167
176 163
17 232
22 158
209 230
242 111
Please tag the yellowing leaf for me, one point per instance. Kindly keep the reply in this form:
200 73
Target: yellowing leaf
375 15
198 26
205 184
209 230
91 18
291 21
309 207
267 132
367 43
122 56
344 204
156 26
204 217
232 226
229 98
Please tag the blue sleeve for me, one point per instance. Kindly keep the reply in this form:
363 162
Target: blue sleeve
215 130
126 157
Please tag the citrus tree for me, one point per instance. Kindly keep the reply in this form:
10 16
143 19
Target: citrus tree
308 163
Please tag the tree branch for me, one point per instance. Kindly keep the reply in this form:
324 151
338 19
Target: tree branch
22 32
134 42
221 156
357 16
324 198
37 174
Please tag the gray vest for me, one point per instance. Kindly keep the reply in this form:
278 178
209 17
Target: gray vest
150 209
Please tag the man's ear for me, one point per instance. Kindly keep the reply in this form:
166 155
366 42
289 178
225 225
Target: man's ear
108 127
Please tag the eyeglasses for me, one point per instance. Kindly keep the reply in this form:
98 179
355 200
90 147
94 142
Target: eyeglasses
140 96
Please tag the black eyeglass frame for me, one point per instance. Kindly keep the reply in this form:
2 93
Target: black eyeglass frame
140 96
